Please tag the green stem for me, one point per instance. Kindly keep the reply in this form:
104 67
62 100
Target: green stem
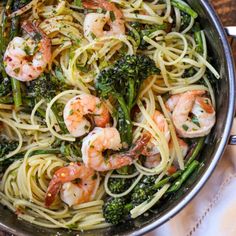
198 39
196 150
16 90
128 123
184 7
187 172
43 152
167 180
131 94
6 100
59 119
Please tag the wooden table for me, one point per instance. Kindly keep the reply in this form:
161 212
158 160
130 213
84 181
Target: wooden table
227 12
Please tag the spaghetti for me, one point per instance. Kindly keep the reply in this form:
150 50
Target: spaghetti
121 36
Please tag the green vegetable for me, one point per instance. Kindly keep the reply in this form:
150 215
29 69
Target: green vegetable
119 185
185 20
14 29
16 91
6 146
46 87
139 30
196 150
184 176
71 149
78 3
122 81
198 39
5 86
6 100
184 7
18 4
113 210
147 187
43 152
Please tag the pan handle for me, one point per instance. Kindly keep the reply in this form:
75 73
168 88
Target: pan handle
232 140
231 31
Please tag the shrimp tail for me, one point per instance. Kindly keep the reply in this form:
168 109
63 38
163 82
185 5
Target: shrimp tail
93 4
107 5
52 191
140 146
37 34
33 30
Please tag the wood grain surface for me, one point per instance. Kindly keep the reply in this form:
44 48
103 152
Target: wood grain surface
226 9
227 12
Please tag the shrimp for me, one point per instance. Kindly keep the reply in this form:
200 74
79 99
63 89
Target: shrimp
78 107
203 114
26 60
162 125
153 160
95 23
83 190
101 139
183 148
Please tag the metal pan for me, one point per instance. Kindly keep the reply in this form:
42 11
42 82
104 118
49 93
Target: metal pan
213 150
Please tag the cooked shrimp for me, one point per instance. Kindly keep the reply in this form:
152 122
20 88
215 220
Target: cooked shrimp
183 147
200 107
154 160
159 119
73 193
26 59
102 139
78 107
95 23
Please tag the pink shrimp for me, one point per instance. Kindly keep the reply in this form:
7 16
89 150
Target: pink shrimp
94 22
26 60
184 105
101 139
78 107
73 193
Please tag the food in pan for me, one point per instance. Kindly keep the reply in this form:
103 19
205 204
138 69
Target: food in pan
104 108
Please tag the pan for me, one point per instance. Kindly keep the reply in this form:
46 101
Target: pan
212 151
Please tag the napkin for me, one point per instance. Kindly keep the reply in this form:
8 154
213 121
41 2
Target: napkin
213 211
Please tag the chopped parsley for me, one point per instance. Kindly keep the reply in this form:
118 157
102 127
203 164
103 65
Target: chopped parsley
195 121
185 127
112 16
78 3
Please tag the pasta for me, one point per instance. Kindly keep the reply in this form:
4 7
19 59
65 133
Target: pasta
141 124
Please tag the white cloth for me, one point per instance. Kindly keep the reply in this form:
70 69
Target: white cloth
213 211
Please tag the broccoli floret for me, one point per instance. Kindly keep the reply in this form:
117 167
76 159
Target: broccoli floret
118 185
6 146
185 20
122 81
19 4
45 87
113 210
144 190
5 87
